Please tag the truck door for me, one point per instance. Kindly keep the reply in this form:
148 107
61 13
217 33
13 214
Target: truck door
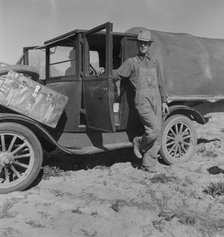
129 116
98 90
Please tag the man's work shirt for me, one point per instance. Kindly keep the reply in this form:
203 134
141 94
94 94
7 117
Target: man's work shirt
144 75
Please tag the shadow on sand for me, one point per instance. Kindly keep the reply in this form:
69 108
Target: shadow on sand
204 140
215 170
74 162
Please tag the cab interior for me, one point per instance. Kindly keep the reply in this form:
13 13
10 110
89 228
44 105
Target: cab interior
124 46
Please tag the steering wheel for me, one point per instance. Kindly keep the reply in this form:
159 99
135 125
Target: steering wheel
93 70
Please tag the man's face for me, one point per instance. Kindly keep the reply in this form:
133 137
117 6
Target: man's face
143 47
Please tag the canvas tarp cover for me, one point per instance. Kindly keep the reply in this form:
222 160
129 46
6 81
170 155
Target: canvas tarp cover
30 98
193 67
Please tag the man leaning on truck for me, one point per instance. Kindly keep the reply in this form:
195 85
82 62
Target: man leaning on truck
150 99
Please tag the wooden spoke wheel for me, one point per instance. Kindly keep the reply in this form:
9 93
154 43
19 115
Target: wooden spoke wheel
179 139
21 157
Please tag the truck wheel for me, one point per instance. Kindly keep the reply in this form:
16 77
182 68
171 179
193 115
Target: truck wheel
26 70
179 139
21 157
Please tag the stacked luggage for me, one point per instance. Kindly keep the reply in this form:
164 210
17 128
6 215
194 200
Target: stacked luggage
20 93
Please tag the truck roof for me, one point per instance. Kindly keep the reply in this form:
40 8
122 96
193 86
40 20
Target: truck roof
78 31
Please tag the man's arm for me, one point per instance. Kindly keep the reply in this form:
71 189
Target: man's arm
124 71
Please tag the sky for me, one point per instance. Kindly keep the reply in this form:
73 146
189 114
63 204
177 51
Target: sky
31 22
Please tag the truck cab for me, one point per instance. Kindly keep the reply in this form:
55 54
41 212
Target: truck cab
69 65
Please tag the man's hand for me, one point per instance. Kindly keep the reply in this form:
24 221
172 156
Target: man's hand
165 108
100 71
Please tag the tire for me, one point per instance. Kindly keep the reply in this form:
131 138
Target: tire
179 139
26 70
21 157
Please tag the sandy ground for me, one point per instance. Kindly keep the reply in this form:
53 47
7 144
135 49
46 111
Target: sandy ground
113 198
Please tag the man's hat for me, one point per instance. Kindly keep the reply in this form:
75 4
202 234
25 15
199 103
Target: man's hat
144 35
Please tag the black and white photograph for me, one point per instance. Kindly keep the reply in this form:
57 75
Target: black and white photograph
111 118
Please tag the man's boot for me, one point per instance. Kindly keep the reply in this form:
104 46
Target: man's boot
149 163
137 148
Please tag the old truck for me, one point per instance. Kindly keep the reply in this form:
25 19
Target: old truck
97 118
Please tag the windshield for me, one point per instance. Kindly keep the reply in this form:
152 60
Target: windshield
35 58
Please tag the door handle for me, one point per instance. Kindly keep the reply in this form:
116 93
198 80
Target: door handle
103 92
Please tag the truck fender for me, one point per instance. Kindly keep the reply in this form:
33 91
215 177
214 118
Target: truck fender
191 113
32 125
27 70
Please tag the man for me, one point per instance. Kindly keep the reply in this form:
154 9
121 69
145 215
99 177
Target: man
150 99
72 69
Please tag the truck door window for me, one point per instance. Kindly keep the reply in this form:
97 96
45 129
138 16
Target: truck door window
96 53
62 61
36 59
